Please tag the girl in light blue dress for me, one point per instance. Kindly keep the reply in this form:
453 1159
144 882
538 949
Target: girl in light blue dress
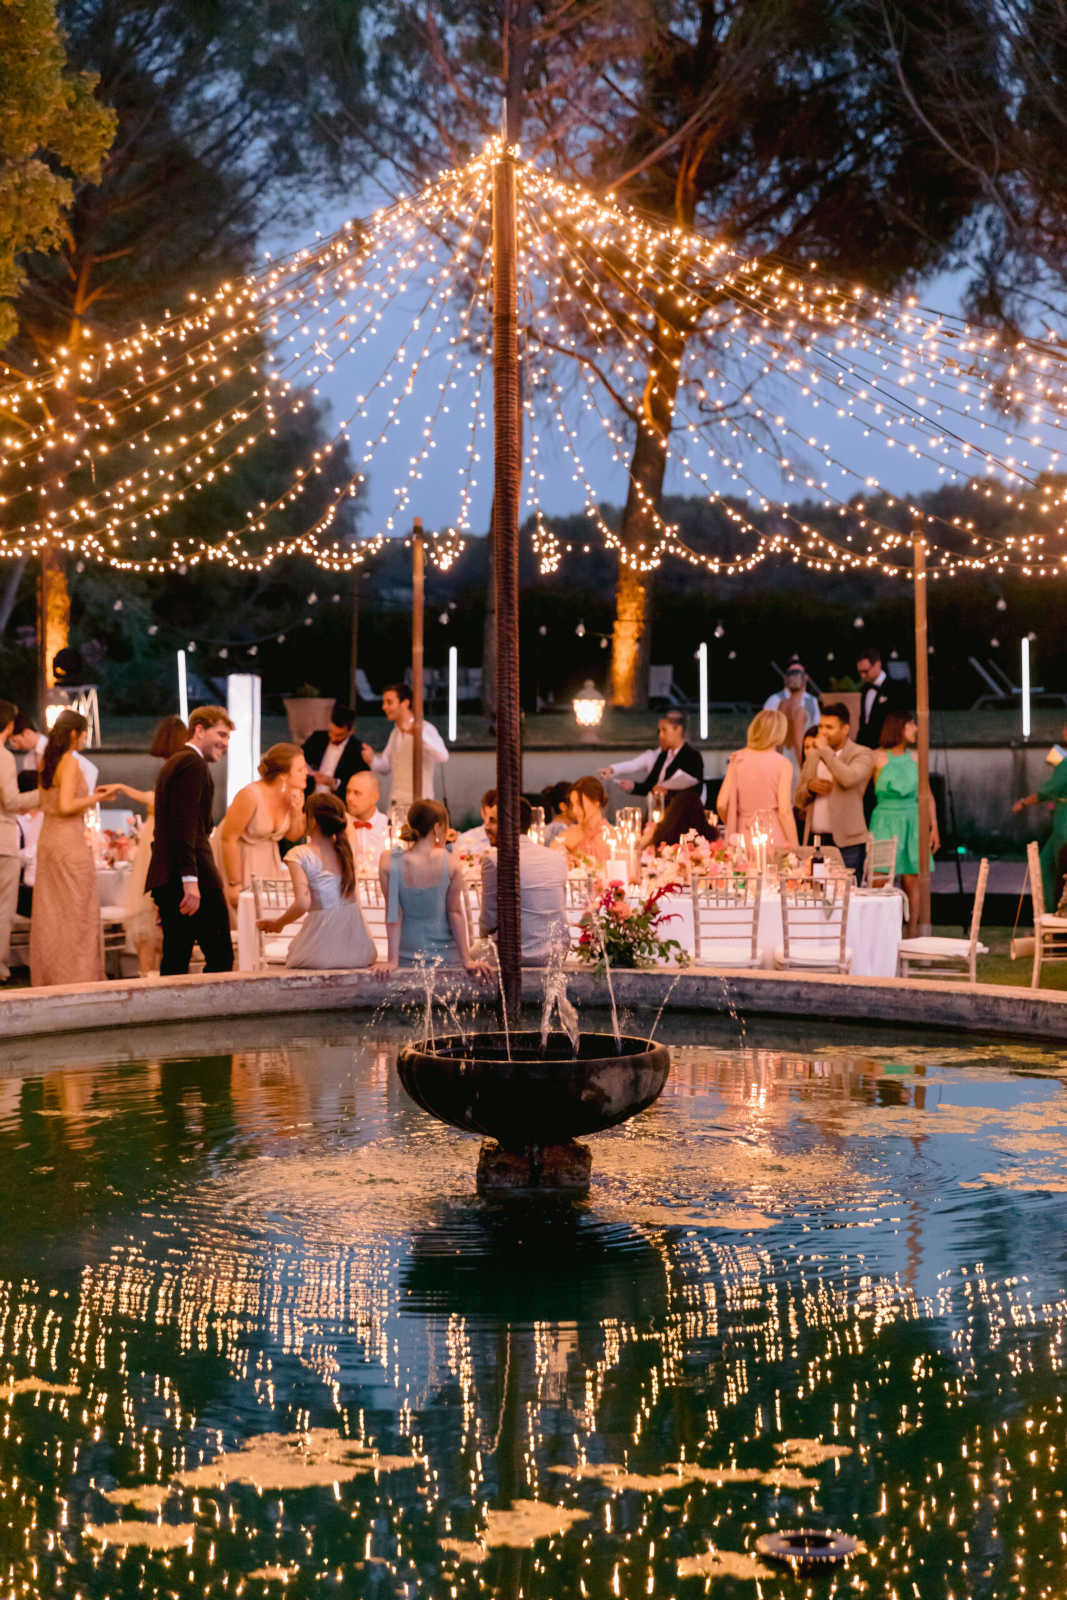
424 896
333 936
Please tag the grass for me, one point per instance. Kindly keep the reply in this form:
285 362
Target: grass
998 967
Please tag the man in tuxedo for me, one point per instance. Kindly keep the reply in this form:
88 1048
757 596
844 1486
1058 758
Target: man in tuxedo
675 765
334 755
880 695
182 877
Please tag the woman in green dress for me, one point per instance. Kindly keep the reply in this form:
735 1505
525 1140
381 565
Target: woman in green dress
1054 791
896 812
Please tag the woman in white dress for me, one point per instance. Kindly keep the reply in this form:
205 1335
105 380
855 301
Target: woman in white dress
334 936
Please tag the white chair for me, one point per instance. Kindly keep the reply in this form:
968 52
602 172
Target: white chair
273 896
471 889
726 921
937 957
372 905
881 863
1050 930
580 889
815 924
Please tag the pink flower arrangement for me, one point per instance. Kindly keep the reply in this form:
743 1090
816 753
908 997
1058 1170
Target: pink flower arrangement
628 934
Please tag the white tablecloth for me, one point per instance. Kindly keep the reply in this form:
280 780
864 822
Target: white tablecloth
111 883
875 923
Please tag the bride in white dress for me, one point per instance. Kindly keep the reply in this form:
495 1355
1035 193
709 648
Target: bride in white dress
334 935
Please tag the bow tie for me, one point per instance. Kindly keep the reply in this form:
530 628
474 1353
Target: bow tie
357 824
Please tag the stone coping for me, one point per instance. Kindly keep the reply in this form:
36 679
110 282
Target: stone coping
990 1009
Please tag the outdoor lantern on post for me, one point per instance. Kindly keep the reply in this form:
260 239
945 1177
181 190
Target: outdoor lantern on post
588 710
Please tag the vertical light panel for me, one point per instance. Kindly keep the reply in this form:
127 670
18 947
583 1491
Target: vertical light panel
702 668
183 689
453 692
242 758
1026 687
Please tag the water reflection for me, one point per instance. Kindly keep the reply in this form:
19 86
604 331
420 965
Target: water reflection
255 1327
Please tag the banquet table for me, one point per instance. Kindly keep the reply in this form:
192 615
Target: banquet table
111 883
875 923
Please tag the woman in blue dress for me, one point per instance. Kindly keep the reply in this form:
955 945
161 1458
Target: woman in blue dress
896 812
423 892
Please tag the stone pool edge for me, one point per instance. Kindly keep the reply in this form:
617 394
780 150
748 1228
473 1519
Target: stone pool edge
985 1008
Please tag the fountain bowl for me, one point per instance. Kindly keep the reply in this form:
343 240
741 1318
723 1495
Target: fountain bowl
539 1097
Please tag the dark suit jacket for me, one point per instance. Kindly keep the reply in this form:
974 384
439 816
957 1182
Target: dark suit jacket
180 845
893 695
667 763
351 760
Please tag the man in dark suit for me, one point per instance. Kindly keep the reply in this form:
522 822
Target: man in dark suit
335 755
182 877
880 695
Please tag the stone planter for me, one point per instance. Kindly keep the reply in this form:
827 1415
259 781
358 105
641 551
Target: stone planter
307 716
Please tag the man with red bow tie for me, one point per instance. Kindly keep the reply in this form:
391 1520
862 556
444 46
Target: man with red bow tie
368 827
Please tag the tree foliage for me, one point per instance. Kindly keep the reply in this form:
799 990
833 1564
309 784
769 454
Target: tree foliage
53 132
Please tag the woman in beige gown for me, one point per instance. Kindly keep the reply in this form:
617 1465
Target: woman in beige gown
66 938
260 815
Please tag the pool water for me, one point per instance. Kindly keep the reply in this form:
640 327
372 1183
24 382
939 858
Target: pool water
258 1335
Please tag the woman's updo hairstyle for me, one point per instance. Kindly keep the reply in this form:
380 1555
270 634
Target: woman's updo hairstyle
277 761
591 789
328 815
423 817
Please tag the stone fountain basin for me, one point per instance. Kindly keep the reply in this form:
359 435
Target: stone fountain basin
538 1097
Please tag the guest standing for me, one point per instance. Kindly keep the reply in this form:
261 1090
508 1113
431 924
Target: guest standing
802 814
182 875
333 936
66 937
757 791
265 811
799 708
399 752
368 827
880 695
335 755
12 802
423 890
140 912
586 840
542 895
1053 791
834 776
896 810
674 765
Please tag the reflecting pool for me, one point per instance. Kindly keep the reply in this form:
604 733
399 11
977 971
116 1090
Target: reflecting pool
258 1334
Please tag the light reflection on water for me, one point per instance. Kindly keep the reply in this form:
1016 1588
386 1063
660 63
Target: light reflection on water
257 1285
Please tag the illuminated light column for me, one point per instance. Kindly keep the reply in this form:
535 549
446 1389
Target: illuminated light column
183 689
242 757
453 692
1025 681
702 669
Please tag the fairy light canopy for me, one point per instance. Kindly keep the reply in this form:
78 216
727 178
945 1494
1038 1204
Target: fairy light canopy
103 447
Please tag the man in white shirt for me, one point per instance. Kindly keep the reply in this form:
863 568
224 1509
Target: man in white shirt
368 827
674 765
542 893
30 746
11 803
398 755
476 841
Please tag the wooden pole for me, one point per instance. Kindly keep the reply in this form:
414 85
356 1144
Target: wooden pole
353 644
418 589
507 478
922 717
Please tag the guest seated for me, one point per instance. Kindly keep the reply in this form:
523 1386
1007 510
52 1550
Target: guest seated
271 808
586 840
757 792
334 936
368 828
542 894
476 841
423 890
556 800
685 814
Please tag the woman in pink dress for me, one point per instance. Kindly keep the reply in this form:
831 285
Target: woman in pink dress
66 938
757 790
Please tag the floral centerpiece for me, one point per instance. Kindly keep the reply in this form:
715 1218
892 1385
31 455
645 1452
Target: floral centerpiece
628 934
694 857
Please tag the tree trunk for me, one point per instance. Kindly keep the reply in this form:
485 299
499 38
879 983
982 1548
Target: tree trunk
631 637
53 620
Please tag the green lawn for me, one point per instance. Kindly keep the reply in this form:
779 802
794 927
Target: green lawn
998 967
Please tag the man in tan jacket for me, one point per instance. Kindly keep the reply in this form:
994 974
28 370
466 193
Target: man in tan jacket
834 776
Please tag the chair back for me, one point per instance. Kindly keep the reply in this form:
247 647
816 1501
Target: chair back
472 907
580 889
815 916
979 901
881 863
372 904
726 912
1037 883
270 897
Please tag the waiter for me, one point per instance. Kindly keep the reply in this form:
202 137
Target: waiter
675 765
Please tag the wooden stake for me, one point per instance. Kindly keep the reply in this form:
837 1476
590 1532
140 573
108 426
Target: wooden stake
922 717
418 587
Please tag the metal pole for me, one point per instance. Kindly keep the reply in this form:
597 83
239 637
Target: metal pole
418 586
922 717
507 477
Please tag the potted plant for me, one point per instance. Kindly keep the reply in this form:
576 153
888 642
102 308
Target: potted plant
307 712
